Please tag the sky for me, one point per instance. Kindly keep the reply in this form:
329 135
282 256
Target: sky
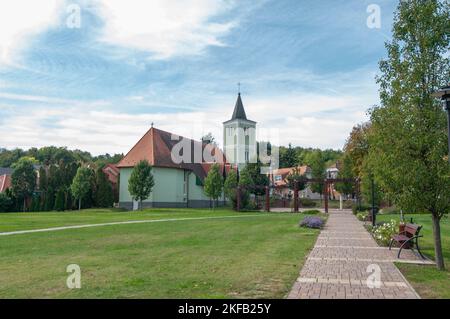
94 75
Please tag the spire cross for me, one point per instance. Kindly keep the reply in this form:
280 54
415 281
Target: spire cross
239 87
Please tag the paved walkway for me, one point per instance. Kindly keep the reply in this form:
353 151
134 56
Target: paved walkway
337 267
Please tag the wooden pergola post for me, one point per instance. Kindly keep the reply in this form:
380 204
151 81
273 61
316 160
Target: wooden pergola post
296 197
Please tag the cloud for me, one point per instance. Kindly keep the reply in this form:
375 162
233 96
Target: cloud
303 120
165 28
21 19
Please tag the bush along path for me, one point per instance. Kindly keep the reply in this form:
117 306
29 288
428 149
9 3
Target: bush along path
347 263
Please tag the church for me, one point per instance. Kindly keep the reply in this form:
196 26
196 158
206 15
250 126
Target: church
179 184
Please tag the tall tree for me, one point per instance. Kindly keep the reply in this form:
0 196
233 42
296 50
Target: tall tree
214 183
288 157
346 172
23 179
246 185
230 186
141 182
104 196
357 147
409 143
82 184
316 161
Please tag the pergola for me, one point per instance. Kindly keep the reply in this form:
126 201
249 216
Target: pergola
326 185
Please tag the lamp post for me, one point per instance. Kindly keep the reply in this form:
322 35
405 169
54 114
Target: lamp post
444 95
374 208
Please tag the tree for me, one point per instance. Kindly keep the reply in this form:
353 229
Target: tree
230 187
246 185
409 141
23 179
288 157
6 203
214 183
141 182
60 200
346 172
357 147
104 193
317 164
258 178
296 177
82 184
209 139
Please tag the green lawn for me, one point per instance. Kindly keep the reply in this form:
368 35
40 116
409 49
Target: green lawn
427 280
256 257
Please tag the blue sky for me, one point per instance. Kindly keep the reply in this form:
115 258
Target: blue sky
307 69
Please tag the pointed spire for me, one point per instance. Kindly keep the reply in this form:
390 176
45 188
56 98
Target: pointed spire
239 112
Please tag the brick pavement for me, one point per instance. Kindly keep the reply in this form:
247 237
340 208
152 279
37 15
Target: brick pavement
337 267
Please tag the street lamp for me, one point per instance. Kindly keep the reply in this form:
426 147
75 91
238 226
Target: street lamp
444 95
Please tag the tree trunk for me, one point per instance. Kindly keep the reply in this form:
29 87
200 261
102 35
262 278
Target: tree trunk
140 204
24 203
437 243
79 203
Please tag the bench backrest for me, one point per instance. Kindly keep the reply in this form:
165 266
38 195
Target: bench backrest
412 229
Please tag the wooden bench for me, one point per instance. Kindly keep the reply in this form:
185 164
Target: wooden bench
409 238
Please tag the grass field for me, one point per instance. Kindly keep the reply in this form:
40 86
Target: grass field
427 280
256 256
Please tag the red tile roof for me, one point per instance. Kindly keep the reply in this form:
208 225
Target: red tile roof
5 182
284 172
112 172
156 147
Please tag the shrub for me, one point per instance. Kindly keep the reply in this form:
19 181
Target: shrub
306 202
356 209
6 203
312 212
362 216
384 231
312 222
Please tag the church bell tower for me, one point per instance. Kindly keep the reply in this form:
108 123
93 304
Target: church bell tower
239 137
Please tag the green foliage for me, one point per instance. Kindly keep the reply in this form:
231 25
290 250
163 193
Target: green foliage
384 232
296 177
60 200
258 179
307 202
104 196
316 161
346 171
312 212
23 179
82 184
288 157
141 181
362 216
408 146
230 187
214 183
56 155
6 203
246 185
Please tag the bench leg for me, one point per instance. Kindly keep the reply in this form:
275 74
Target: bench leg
390 244
418 249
